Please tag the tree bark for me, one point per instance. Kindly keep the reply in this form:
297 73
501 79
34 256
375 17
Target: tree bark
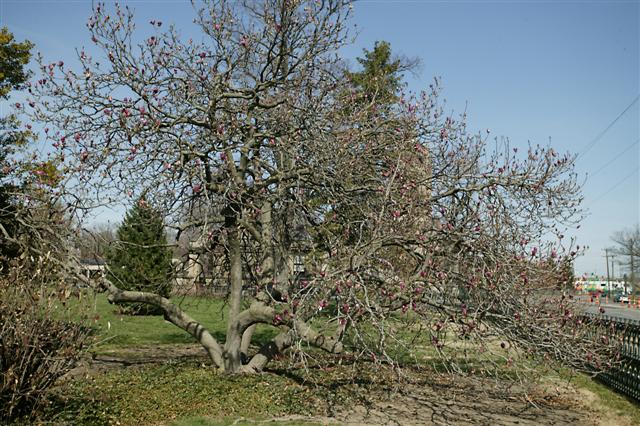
246 342
258 312
232 347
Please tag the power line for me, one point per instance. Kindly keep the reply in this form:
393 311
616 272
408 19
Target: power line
615 158
616 185
602 133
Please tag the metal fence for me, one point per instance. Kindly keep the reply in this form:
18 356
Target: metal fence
625 377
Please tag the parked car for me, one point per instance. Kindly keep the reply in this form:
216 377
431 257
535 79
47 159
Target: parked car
621 298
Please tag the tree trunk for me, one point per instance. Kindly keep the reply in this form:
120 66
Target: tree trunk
246 342
232 347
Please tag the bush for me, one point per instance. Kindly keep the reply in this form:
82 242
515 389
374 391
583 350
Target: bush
36 347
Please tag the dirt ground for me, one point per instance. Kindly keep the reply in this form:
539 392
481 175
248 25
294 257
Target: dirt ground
441 400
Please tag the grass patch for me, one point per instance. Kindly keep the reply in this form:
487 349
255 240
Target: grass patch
115 330
189 394
206 421
610 401
161 394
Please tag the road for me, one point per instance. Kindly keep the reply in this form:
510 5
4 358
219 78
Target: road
615 310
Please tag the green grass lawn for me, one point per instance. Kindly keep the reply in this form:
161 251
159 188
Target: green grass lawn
192 394
115 330
188 393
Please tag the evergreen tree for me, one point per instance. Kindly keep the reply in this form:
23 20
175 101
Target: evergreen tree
140 260
377 85
380 77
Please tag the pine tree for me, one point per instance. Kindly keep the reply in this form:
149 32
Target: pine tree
140 260
381 75
377 87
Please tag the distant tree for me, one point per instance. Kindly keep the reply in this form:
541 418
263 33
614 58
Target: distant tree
380 79
628 248
140 260
13 58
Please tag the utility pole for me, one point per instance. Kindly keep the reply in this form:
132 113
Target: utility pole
613 265
606 255
633 273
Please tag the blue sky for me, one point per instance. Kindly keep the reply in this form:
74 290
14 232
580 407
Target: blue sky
557 72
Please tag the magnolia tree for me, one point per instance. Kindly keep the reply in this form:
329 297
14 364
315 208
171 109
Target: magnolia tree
415 234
